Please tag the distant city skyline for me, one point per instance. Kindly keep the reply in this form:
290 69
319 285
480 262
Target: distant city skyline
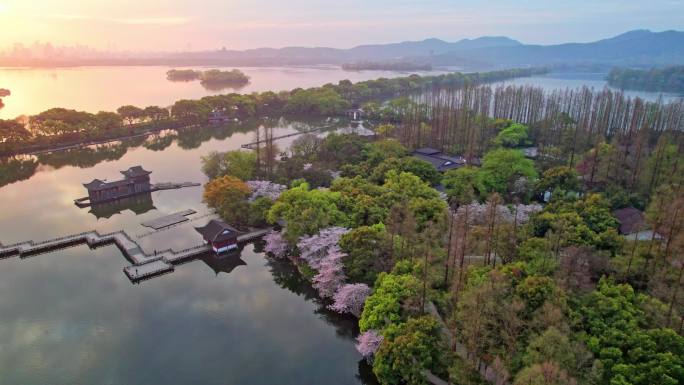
175 25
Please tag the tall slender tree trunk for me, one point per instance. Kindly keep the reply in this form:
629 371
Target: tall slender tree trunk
675 291
448 256
631 256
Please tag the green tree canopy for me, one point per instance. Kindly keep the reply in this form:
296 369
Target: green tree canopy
384 306
408 349
561 177
306 211
240 164
368 251
464 184
130 113
618 336
190 111
512 136
502 167
13 131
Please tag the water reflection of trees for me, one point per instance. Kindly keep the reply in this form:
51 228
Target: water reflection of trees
286 275
15 169
222 86
159 142
85 157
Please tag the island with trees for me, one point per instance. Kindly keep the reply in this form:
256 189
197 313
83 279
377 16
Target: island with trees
4 92
387 66
668 79
213 79
217 78
517 267
186 75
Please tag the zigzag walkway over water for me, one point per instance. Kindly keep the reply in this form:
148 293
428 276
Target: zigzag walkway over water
144 265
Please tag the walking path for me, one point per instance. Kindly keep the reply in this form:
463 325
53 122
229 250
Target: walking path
252 144
487 372
143 265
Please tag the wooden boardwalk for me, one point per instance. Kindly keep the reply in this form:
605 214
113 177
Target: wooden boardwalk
252 144
143 265
169 220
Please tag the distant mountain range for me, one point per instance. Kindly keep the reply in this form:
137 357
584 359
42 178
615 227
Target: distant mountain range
639 48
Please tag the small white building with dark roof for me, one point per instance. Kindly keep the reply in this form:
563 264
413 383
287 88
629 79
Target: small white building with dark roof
219 235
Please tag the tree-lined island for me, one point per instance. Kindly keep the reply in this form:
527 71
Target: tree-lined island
213 79
667 79
3 93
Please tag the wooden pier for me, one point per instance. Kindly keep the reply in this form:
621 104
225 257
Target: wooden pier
169 220
250 146
143 266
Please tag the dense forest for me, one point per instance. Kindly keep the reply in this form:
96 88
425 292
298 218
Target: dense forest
60 126
516 267
668 79
563 125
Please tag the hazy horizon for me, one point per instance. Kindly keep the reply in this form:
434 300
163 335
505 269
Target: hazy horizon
173 25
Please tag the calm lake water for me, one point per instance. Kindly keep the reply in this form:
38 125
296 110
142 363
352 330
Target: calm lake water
107 88
72 317
597 81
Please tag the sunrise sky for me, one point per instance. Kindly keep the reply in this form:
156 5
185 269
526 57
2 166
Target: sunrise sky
209 24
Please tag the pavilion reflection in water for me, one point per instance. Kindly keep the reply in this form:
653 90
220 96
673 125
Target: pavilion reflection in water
223 263
139 204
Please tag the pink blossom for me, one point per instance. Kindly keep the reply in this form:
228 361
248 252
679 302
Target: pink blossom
330 273
477 212
350 298
367 343
275 244
264 188
315 247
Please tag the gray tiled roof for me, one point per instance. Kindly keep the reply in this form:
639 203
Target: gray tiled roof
135 171
217 231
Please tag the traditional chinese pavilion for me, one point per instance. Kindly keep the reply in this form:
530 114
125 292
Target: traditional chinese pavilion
221 236
136 181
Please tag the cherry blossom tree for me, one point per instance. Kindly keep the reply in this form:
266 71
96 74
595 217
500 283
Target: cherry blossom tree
330 273
350 298
275 244
477 212
313 249
264 188
368 342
